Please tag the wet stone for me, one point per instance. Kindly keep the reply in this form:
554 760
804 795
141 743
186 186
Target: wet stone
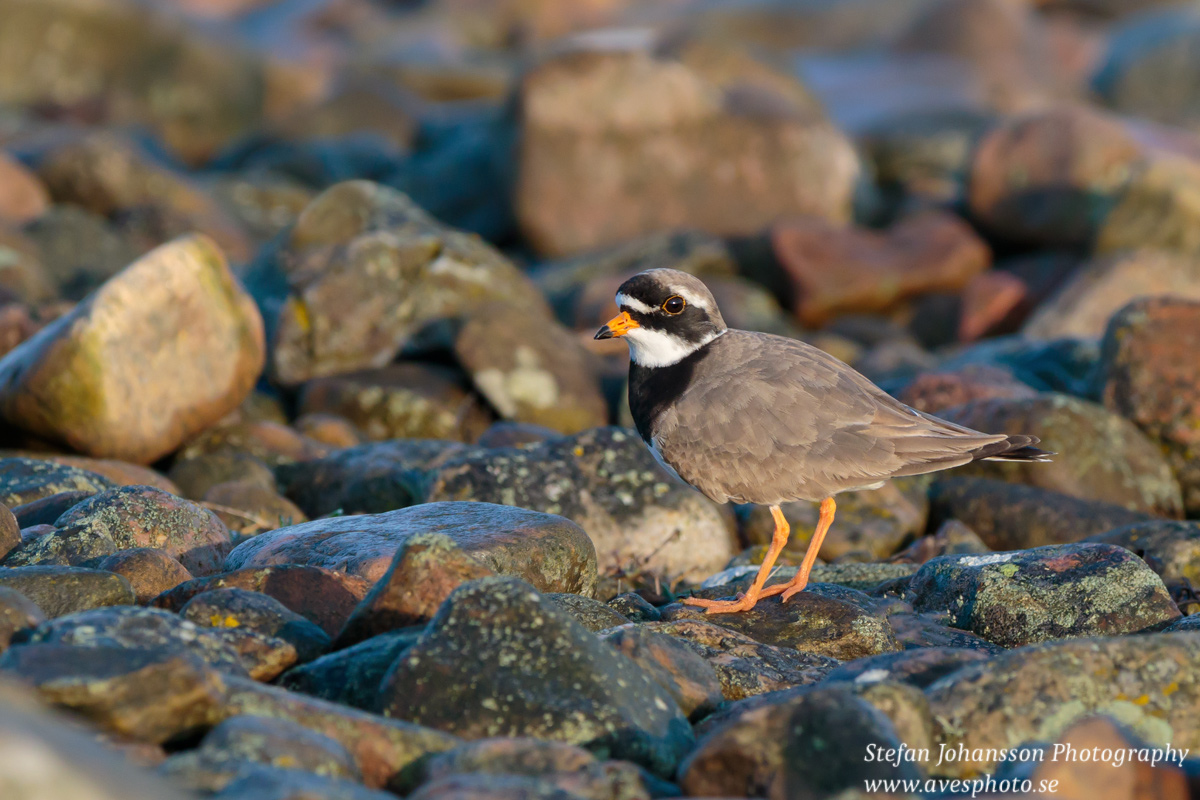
1054 592
59 591
824 620
260 613
448 681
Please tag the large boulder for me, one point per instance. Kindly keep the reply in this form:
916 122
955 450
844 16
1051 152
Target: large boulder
155 356
744 145
365 270
1046 593
1148 375
551 552
540 674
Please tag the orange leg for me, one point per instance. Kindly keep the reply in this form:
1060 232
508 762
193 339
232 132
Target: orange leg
746 601
828 507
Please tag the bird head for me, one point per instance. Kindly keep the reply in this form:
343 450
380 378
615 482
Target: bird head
666 315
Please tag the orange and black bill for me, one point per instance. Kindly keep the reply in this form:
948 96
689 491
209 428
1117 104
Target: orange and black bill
619 325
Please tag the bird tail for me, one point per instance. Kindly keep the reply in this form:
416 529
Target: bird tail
1014 448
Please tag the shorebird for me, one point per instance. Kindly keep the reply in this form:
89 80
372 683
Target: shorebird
754 418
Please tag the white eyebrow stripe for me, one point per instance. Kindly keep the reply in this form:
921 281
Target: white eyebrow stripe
691 299
625 301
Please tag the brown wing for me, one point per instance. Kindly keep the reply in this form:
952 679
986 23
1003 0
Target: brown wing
768 420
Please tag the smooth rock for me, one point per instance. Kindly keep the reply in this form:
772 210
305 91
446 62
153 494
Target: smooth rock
1171 548
919 667
23 197
195 476
550 551
351 676
24 480
149 571
18 615
59 591
1106 457
691 681
159 353
248 509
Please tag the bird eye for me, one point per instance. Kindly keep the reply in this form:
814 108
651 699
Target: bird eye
674 305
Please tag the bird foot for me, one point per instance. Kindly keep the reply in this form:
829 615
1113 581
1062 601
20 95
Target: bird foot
743 603
788 591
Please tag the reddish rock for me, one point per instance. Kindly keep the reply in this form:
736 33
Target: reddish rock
18 614
1150 376
22 195
121 473
551 552
328 429
149 571
272 443
156 355
319 595
1047 179
632 137
935 391
426 569
141 516
833 270
10 531
992 302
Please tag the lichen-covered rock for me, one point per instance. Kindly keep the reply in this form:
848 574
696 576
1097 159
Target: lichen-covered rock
238 742
447 680
596 119
160 352
273 783
229 651
141 516
531 369
263 614
505 756
149 571
248 509
1083 305
146 694
807 745
634 608
1171 548
549 551
351 676
824 619
591 614
875 522
690 680
1105 458
934 391
382 748
426 569
744 667
1148 376
1035 693
917 667
1054 592
401 401
24 480
66 590
269 441
366 270
79 250
1011 516
324 596
606 480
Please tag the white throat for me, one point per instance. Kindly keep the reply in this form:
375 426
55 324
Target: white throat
651 348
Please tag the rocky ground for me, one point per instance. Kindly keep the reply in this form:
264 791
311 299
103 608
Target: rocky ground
315 486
